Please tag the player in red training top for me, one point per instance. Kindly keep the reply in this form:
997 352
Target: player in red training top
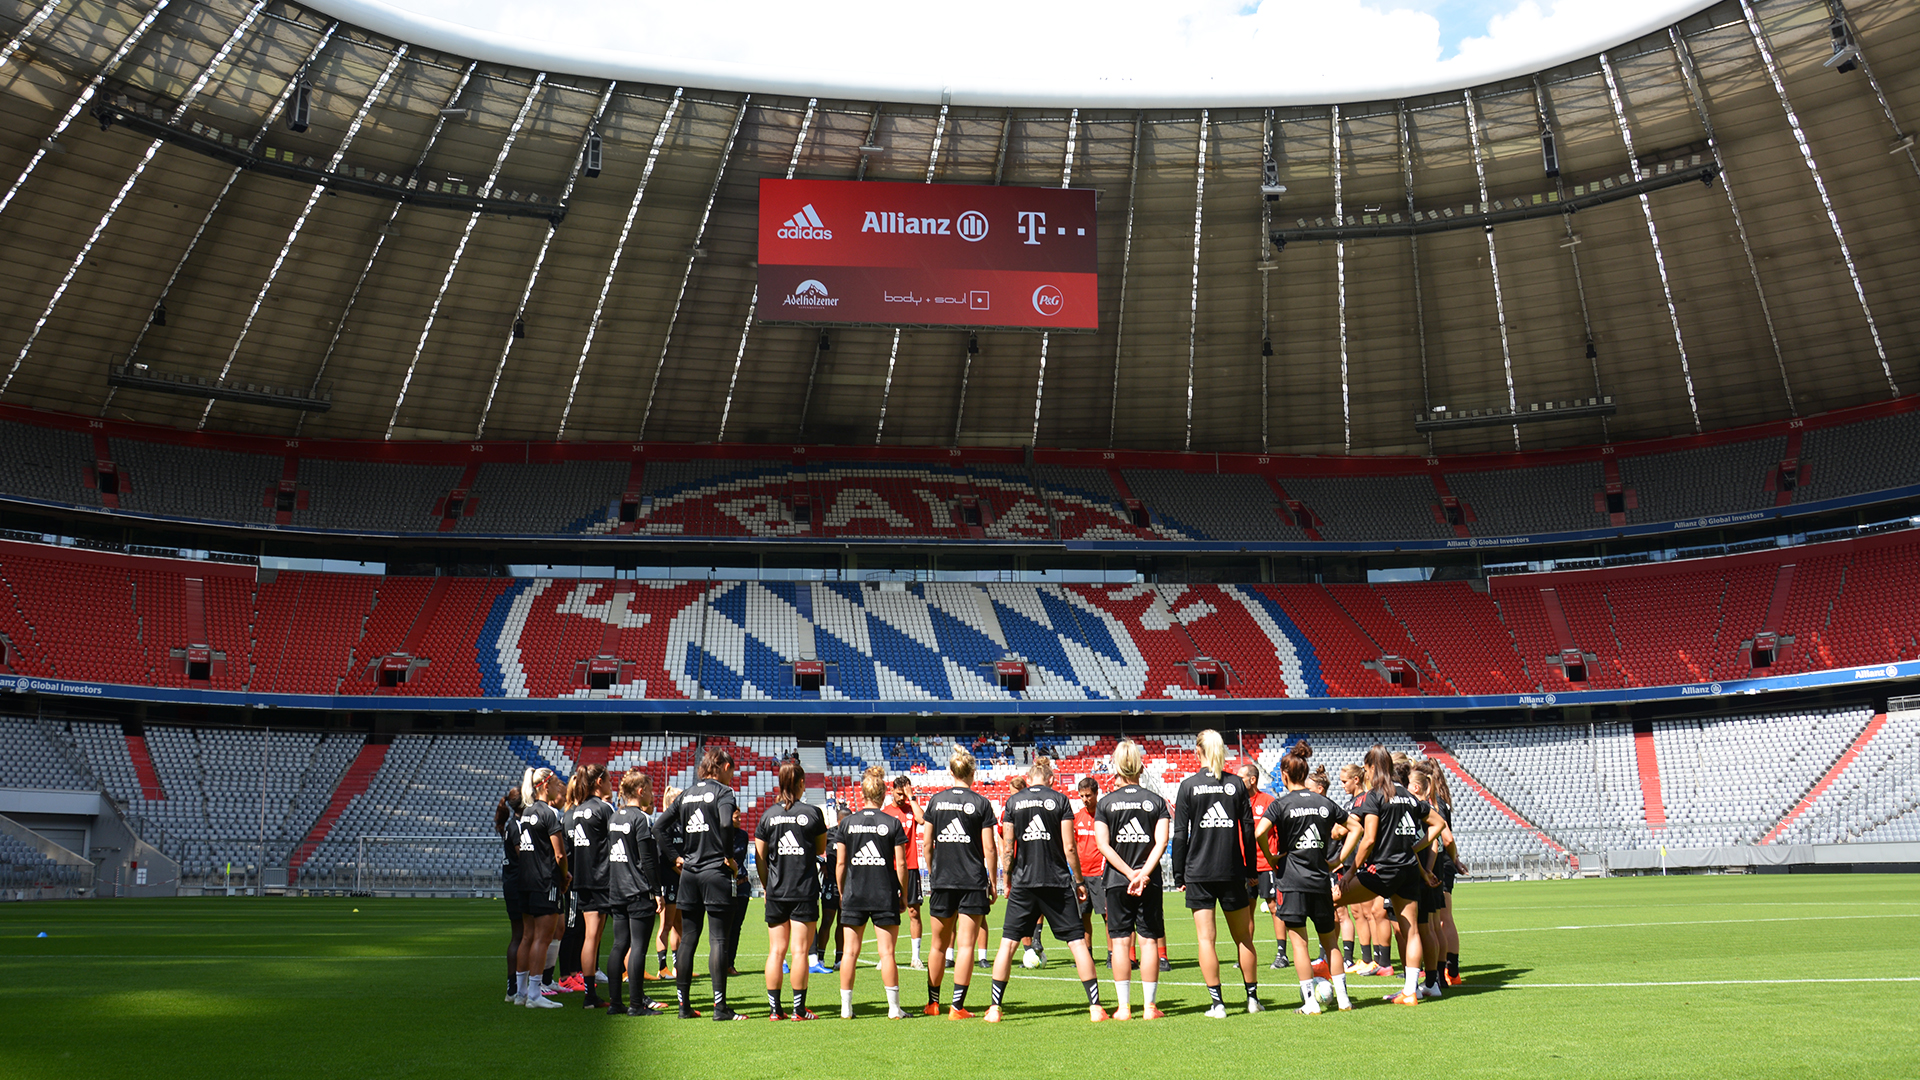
1268 878
1093 865
911 818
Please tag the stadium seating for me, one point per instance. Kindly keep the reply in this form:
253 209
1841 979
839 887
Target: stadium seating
126 619
1061 496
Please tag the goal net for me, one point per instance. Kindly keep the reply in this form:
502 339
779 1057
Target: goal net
427 864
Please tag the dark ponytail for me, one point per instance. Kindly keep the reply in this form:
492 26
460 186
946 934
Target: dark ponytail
507 807
1294 765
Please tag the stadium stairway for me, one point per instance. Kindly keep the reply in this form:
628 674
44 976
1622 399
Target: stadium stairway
1432 750
150 787
352 784
1649 775
1846 758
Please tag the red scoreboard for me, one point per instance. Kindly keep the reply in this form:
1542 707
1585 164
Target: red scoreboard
848 251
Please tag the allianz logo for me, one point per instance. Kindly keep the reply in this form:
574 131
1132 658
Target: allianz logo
1876 672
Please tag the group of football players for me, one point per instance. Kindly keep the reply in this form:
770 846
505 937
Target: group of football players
1377 865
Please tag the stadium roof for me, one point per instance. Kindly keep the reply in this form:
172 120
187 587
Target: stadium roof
1796 294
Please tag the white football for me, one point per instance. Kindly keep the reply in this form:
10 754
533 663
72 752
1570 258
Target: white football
1030 960
1323 991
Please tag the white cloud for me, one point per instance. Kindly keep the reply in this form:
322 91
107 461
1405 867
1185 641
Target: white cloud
1114 50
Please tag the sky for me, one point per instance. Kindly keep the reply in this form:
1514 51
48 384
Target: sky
1301 49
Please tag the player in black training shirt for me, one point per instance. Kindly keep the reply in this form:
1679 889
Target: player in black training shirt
541 876
587 836
871 868
633 876
1037 851
1384 856
1213 857
1447 867
1132 828
704 819
506 825
791 837
1293 833
958 847
1437 861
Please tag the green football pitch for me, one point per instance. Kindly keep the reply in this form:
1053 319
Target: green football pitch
1800 976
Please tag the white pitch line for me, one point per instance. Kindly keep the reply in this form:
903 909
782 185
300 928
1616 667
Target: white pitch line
1696 922
1017 979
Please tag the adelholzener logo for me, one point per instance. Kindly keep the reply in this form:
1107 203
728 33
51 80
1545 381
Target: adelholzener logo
810 293
805 225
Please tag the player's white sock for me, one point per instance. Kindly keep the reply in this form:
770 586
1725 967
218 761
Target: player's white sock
520 983
981 958
893 998
1306 991
846 1003
553 954
1149 992
1340 990
1123 989
1413 981
949 956
916 952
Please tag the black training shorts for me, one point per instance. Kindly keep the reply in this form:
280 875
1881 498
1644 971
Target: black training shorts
1230 895
542 903
1026 906
705 892
781 912
1269 887
915 889
853 917
1144 914
592 900
512 897
1296 906
1096 901
946 903
1404 885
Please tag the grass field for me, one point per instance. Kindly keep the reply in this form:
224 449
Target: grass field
1802 976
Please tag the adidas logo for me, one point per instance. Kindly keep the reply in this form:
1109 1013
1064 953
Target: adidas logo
526 841
1214 818
805 225
1309 840
618 853
954 833
1036 830
580 837
698 823
788 845
869 855
1132 833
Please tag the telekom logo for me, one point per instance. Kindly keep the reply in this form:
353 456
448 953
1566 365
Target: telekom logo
1048 300
1033 226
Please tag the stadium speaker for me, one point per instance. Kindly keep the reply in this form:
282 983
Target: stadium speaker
825 344
1547 152
973 345
590 158
301 115
519 327
159 316
1592 353
1266 348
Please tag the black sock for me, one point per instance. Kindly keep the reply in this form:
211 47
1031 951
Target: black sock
773 1002
1383 955
959 995
547 975
660 960
717 958
999 990
1453 964
1214 993
1092 987
1253 991
1347 948
933 993
799 1001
